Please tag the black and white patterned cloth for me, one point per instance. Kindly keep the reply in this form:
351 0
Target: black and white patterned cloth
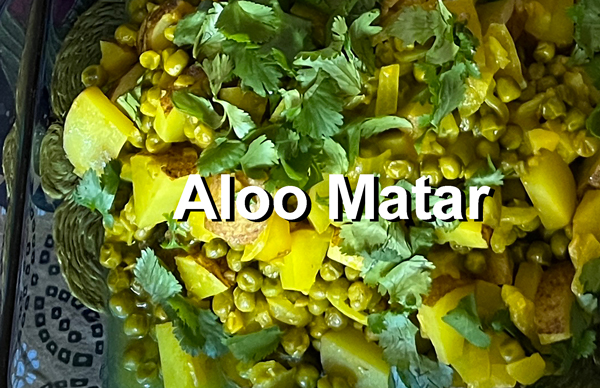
57 341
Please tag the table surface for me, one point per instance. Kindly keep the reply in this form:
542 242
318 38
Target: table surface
56 342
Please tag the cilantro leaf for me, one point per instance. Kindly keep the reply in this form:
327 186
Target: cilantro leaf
254 347
360 236
590 276
218 70
466 322
408 281
340 67
222 155
197 330
196 106
188 28
360 35
426 374
246 21
451 92
333 159
256 71
586 15
593 122
376 125
487 177
421 239
396 337
98 194
130 103
320 113
174 229
415 24
209 40
239 120
261 153
155 279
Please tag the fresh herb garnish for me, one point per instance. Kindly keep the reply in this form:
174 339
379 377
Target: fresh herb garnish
99 193
465 320
254 347
174 229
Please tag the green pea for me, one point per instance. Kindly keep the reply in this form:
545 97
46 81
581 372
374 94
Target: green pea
249 279
575 120
331 270
244 301
545 83
475 262
295 341
351 273
335 319
271 287
318 327
118 280
307 376
512 138
122 304
485 148
360 296
136 325
324 383
222 304
133 356
317 307
269 270
339 382
146 372
559 243
539 252
544 52
318 290
553 108
215 248
450 166
234 260
492 127
94 75
338 289
536 71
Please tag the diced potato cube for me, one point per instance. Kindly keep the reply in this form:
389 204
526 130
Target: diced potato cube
587 215
198 279
180 369
448 343
528 370
347 353
528 279
157 187
474 365
95 131
551 187
467 234
522 311
300 267
542 139
553 303
169 126
116 59
489 299
499 268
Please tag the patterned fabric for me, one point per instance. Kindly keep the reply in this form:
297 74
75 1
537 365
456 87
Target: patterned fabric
57 342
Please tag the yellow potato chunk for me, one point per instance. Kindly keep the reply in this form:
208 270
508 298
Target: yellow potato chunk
158 182
180 369
347 354
551 187
553 303
587 215
447 342
541 138
528 370
528 279
467 234
474 365
299 268
116 59
198 280
169 126
95 131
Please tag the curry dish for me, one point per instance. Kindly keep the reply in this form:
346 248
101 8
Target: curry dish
285 92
